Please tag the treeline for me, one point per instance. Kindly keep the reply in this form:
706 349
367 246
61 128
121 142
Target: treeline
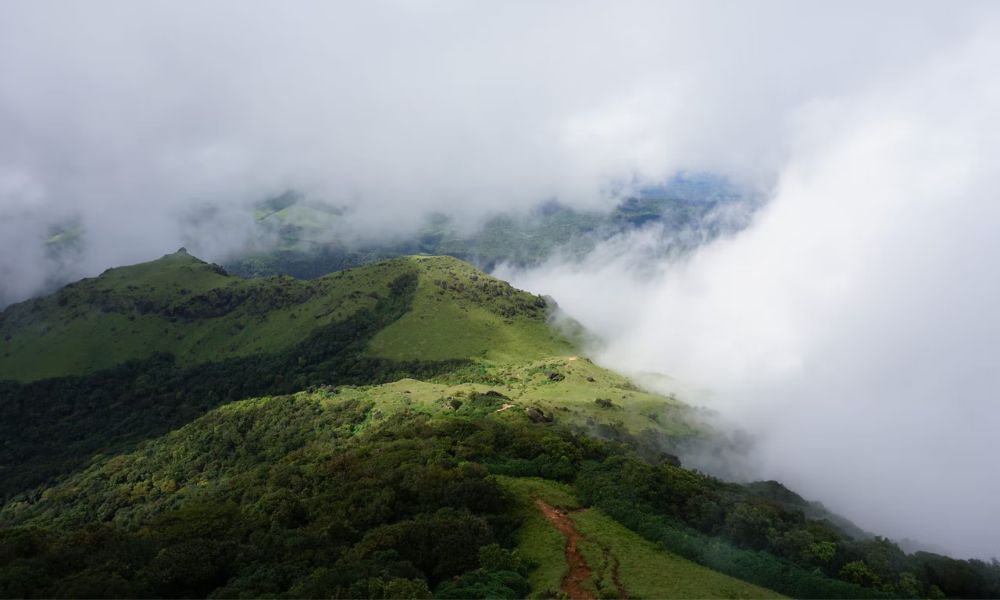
53 426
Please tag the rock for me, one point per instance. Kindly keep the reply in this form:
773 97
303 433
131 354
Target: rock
537 416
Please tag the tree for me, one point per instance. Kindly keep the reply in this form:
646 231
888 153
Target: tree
858 572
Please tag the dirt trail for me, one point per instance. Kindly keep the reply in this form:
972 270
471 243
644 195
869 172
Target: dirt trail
579 572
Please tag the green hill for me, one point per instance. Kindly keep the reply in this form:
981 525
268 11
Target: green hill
198 313
356 471
107 362
406 429
348 465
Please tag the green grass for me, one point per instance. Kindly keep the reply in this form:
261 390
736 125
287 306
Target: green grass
526 386
574 396
179 305
538 541
460 312
193 310
648 571
571 400
644 569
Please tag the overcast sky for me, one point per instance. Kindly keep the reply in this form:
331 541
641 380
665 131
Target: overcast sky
853 325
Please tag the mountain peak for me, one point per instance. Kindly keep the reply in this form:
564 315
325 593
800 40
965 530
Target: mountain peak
196 312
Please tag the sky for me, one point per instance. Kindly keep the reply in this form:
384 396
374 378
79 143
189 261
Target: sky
850 327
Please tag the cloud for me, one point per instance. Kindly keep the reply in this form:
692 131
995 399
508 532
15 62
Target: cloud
852 322
128 120
853 326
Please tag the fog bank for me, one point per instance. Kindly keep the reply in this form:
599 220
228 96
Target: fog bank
130 119
852 328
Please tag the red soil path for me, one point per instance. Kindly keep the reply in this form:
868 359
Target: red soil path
579 572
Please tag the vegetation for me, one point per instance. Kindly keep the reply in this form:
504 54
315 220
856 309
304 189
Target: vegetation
620 561
273 491
196 312
269 498
52 426
398 446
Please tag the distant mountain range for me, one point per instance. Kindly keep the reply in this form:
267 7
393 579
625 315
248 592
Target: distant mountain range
308 239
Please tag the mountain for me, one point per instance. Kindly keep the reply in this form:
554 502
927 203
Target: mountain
198 313
409 428
297 236
139 350
304 237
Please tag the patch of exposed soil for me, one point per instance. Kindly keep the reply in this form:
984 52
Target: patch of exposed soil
579 572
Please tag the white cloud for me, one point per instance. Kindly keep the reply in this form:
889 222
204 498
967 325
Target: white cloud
128 117
853 326
853 322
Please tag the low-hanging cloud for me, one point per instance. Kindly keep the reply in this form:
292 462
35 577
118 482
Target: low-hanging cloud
127 119
851 322
853 326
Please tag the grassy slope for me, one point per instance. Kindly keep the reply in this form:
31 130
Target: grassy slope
570 400
221 450
645 570
176 304
648 571
460 312
538 541
183 306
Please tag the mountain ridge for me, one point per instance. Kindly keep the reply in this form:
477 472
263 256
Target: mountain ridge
394 436
197 312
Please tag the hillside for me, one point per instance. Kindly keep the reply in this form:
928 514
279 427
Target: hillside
197 313
409 488
109 361
406 429
351 473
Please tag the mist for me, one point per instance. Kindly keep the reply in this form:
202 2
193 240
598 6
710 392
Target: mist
849 327
127 120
